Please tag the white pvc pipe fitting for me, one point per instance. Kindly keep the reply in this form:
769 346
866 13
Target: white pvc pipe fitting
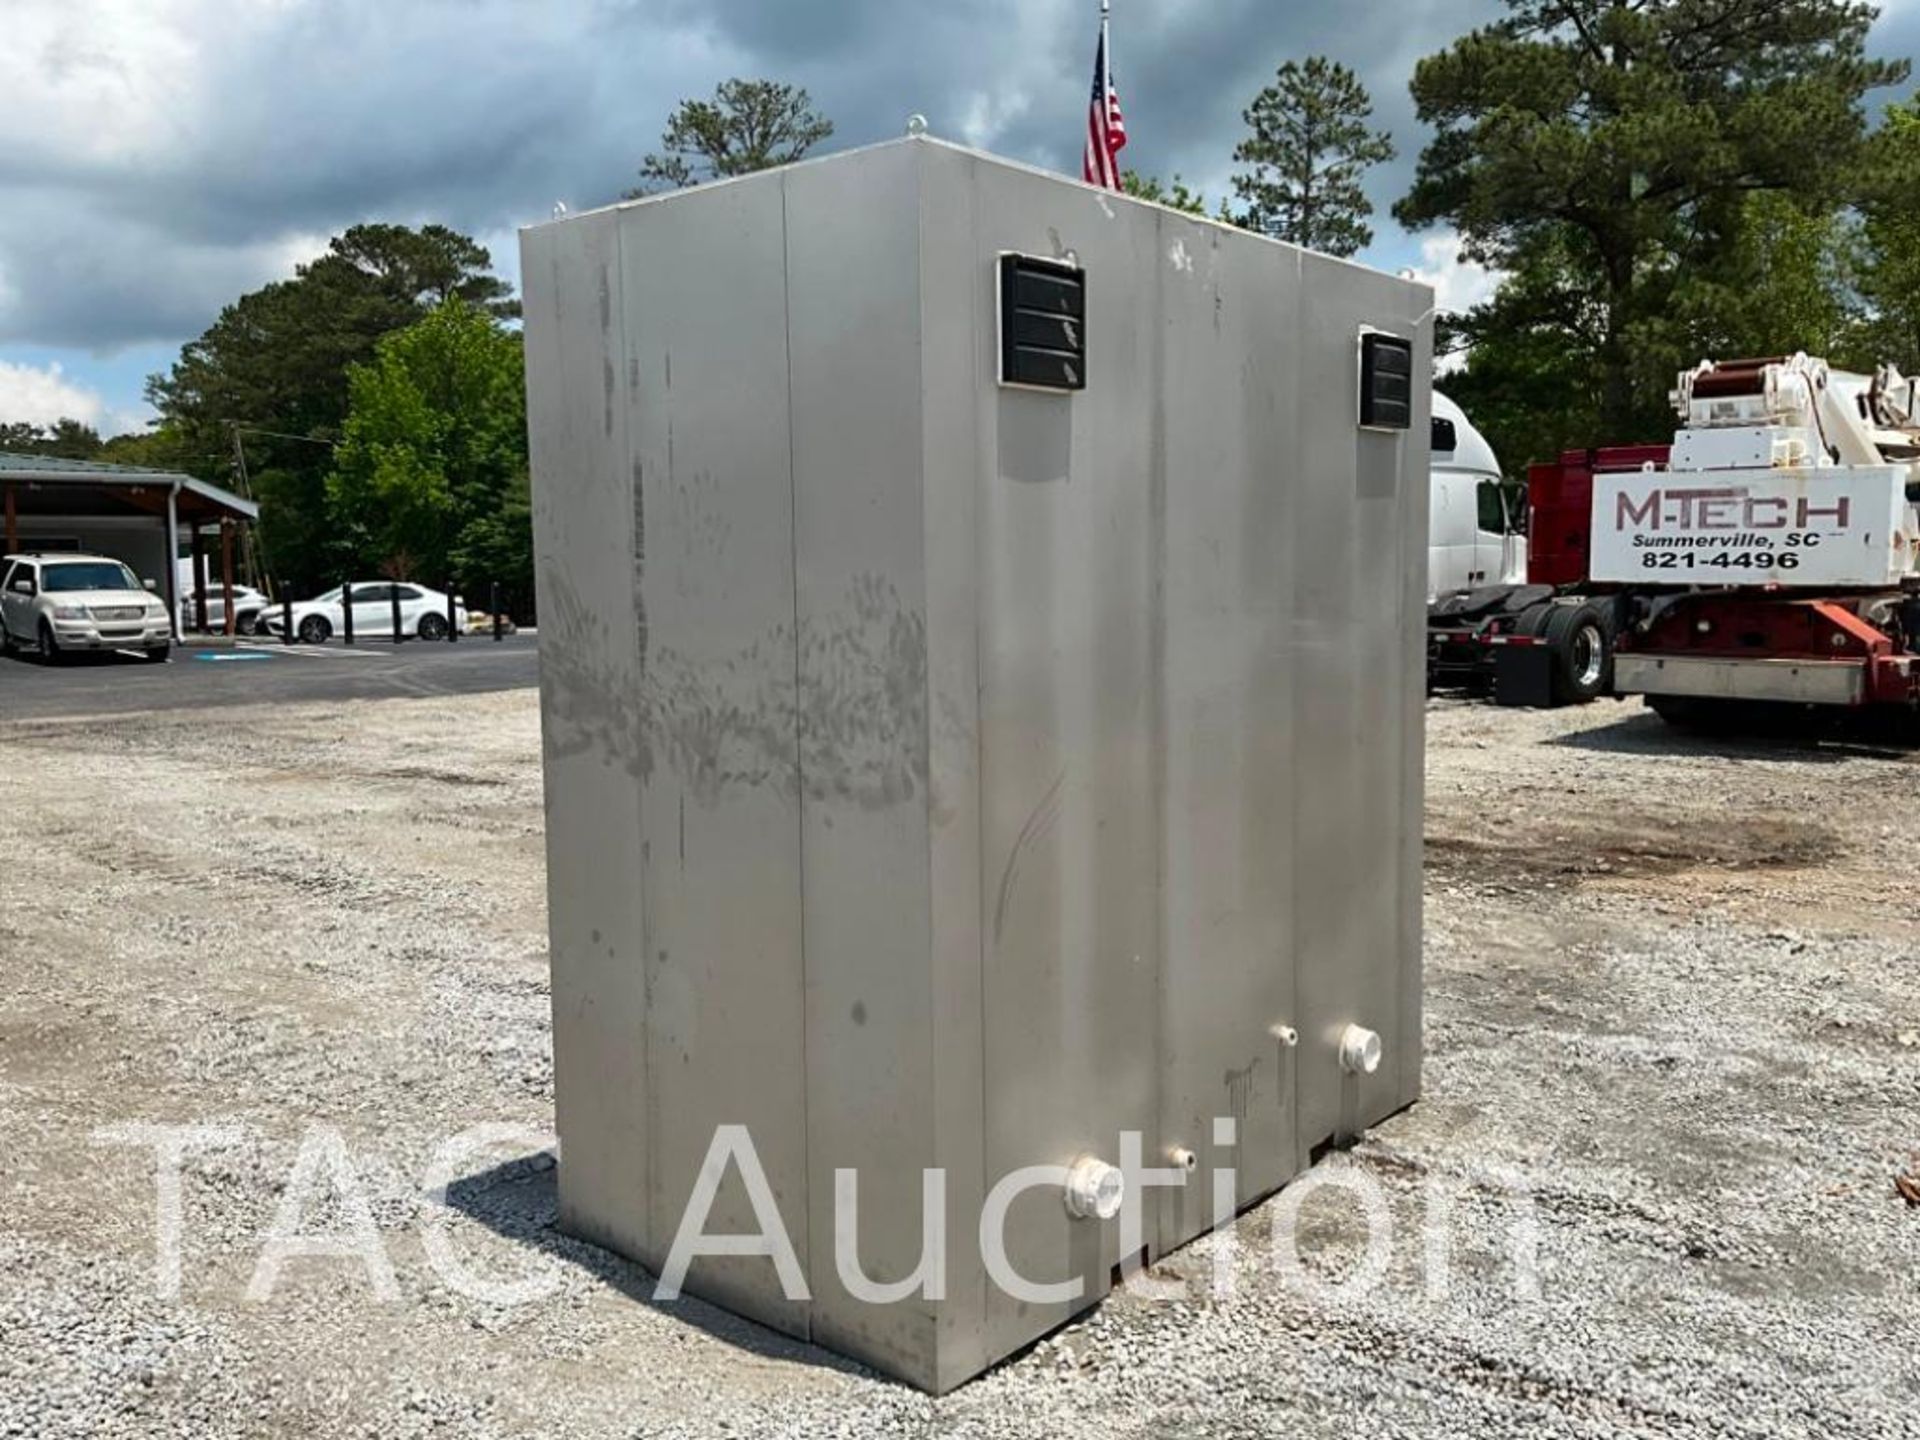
1094 1189
1183 1158
1359 1050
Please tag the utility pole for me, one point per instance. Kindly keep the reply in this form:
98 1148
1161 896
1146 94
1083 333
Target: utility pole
251 557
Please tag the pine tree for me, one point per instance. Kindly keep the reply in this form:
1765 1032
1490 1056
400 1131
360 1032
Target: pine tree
749 125
1621 139
1309 150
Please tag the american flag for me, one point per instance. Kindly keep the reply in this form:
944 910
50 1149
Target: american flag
1106 127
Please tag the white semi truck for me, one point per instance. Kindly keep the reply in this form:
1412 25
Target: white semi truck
1481 599
1475 537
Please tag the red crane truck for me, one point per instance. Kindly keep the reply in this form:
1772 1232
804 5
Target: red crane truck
1766 563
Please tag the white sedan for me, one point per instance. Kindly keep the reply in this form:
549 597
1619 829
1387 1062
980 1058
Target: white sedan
423 613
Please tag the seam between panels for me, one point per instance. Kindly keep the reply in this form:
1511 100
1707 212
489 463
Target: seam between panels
799 752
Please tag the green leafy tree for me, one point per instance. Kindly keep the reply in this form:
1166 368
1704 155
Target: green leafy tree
1176 195
1780 281
1310 147
65 439
1525 380
277 361
430 477
1606 149
1887 261
157 448
749 125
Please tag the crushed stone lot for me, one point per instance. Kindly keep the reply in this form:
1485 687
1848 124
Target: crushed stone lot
1673 1015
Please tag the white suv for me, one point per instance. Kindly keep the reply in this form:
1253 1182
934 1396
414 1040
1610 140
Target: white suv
63 603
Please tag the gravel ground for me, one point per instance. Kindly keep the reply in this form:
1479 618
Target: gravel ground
1674 1016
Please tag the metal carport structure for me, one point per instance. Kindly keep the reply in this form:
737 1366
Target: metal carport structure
134 514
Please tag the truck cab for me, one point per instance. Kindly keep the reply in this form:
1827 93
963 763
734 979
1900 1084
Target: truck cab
1492 625
1477 538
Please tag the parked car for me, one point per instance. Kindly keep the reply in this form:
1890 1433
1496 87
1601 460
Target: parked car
59 604
248 607
423 613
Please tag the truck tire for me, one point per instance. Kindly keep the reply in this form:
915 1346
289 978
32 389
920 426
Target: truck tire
1582 646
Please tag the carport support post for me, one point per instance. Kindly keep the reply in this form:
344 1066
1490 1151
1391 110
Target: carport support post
172 577
346 611
199 578
453 614
226 573
493 609
286 615
393 594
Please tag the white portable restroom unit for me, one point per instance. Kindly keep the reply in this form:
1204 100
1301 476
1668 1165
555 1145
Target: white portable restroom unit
982 621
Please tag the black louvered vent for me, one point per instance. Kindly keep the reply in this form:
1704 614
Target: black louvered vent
1043 323
1386 382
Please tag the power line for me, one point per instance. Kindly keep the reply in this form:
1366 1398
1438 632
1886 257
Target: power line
282 435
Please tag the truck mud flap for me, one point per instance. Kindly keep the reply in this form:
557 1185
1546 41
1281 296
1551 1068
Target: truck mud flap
1523 677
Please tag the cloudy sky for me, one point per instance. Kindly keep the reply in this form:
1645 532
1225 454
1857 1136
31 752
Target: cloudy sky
160 157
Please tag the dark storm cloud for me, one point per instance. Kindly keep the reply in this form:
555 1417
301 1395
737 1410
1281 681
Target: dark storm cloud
164 155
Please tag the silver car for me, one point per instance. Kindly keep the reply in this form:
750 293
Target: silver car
249 607
61 604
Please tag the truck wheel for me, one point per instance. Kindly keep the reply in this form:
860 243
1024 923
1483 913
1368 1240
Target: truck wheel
1582 648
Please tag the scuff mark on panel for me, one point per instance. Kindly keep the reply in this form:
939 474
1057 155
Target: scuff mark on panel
640 561
587 707
698 515
863 698
723 723
952 722
1240 1087
1039 821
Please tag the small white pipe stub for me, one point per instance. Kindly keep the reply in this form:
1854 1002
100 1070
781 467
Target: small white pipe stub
1359 1050
1183 1158
1094 1189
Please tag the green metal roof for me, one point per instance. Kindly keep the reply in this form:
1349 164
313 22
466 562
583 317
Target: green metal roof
13 461
49 470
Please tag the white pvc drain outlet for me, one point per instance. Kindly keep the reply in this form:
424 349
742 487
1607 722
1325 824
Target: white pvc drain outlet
1094 1189
1359 1050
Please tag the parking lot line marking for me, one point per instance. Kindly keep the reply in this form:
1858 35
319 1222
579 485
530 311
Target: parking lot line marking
308 652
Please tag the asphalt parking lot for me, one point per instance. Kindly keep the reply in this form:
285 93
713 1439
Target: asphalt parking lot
219 672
